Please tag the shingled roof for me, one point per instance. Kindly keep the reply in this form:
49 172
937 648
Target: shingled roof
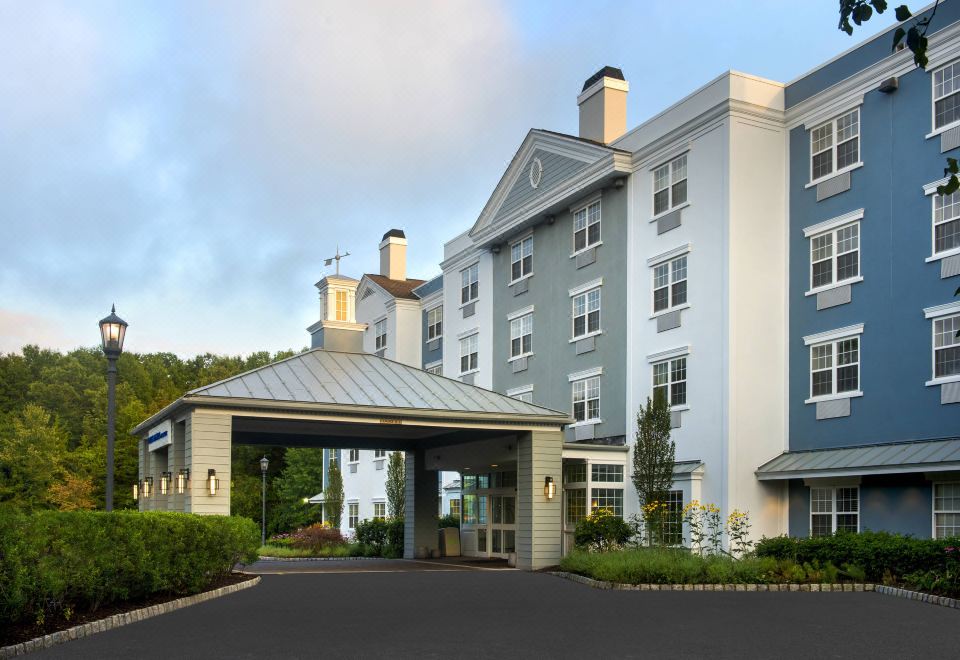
396 288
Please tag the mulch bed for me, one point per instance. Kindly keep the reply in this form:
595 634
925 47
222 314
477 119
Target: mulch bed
27 630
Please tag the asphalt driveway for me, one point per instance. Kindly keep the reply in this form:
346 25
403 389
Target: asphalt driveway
426 610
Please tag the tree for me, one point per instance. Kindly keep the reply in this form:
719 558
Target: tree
914 37
396 485
333 496
653 458
74 493
302 478
32 449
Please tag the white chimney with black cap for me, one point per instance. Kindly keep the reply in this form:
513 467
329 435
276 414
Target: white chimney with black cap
603 106
393 255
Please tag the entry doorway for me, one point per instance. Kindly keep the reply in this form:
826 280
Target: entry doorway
489 525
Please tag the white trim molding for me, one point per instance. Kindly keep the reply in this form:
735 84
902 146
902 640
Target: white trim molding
584 201
942 310
833 397
586 286
586 373
668 255
931 188
523 389
520 312
466 333
833 223
843 170
831 335
668 354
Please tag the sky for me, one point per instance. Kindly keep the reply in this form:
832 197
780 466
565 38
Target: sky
195 162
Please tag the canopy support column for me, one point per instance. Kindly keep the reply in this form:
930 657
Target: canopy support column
539 524
420 535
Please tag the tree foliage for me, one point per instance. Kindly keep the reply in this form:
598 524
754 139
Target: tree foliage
653 452
333 496
396 485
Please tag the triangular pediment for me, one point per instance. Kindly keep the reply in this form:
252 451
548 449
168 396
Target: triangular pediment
544 162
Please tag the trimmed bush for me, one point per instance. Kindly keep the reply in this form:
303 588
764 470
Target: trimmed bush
53 563
602 531
373 535
316 538
394 546
883 557
449 520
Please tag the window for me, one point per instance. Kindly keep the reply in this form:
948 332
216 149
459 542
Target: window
436 370
380 332
946 96
946 222
353 515
354 455
468 353
576 505
607 498
521 336
670 284
606 472
586 227
521 259
455 507
575 473
470 509
341 304
946 510
835 367
670 185
469 284
526 397
435 323
835 146
334 457
586 399
834 510
835 256
673 521
379 453
379 510
586 313
670 380
946 347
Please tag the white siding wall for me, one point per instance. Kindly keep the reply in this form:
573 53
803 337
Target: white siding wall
454 325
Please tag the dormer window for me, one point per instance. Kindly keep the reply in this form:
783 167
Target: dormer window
341 305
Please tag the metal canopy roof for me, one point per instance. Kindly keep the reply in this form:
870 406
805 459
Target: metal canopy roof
360 381
894 458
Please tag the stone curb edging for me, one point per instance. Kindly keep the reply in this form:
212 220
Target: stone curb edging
918 595
314 559
122 619
616 586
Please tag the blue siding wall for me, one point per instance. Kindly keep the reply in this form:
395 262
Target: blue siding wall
868 54
895 236
424 290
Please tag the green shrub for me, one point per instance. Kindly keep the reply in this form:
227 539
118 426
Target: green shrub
394 547
872 553
372 533
54 562
316 538
449 520
602 531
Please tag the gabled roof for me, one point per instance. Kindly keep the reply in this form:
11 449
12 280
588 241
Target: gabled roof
396 288
328 380
892 458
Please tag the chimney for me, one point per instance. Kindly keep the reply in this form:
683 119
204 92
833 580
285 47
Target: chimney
393 255
603 106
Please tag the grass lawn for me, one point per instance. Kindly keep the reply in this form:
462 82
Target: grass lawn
288 552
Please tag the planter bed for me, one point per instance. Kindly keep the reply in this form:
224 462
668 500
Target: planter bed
600 584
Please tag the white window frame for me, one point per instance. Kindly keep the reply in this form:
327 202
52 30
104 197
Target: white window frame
833 338
354 456
672 180
454 501
589 221
337 295
951 312
583 293
833 513
435 368
672 366
672 281
353 514
523 393
834 145
380 338
835 254
949 252
521 327
936 130
585 385
473 356
435 326
379 504
470 283
941 511
524 247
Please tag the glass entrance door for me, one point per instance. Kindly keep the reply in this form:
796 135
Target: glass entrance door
503 526
489 524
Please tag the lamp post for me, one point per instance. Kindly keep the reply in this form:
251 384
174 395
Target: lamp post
112 331
264 463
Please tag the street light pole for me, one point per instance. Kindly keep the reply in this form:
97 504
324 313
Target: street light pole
112 331
264 463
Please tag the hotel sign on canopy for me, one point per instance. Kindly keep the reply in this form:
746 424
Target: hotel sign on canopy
160 436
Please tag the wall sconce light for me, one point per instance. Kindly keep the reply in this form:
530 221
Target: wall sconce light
136 492
165 482
183 476
549 488
212 482
147 486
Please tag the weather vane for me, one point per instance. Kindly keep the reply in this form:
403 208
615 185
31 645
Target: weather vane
337 257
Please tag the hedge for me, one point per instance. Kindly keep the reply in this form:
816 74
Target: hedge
55 563
885 557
